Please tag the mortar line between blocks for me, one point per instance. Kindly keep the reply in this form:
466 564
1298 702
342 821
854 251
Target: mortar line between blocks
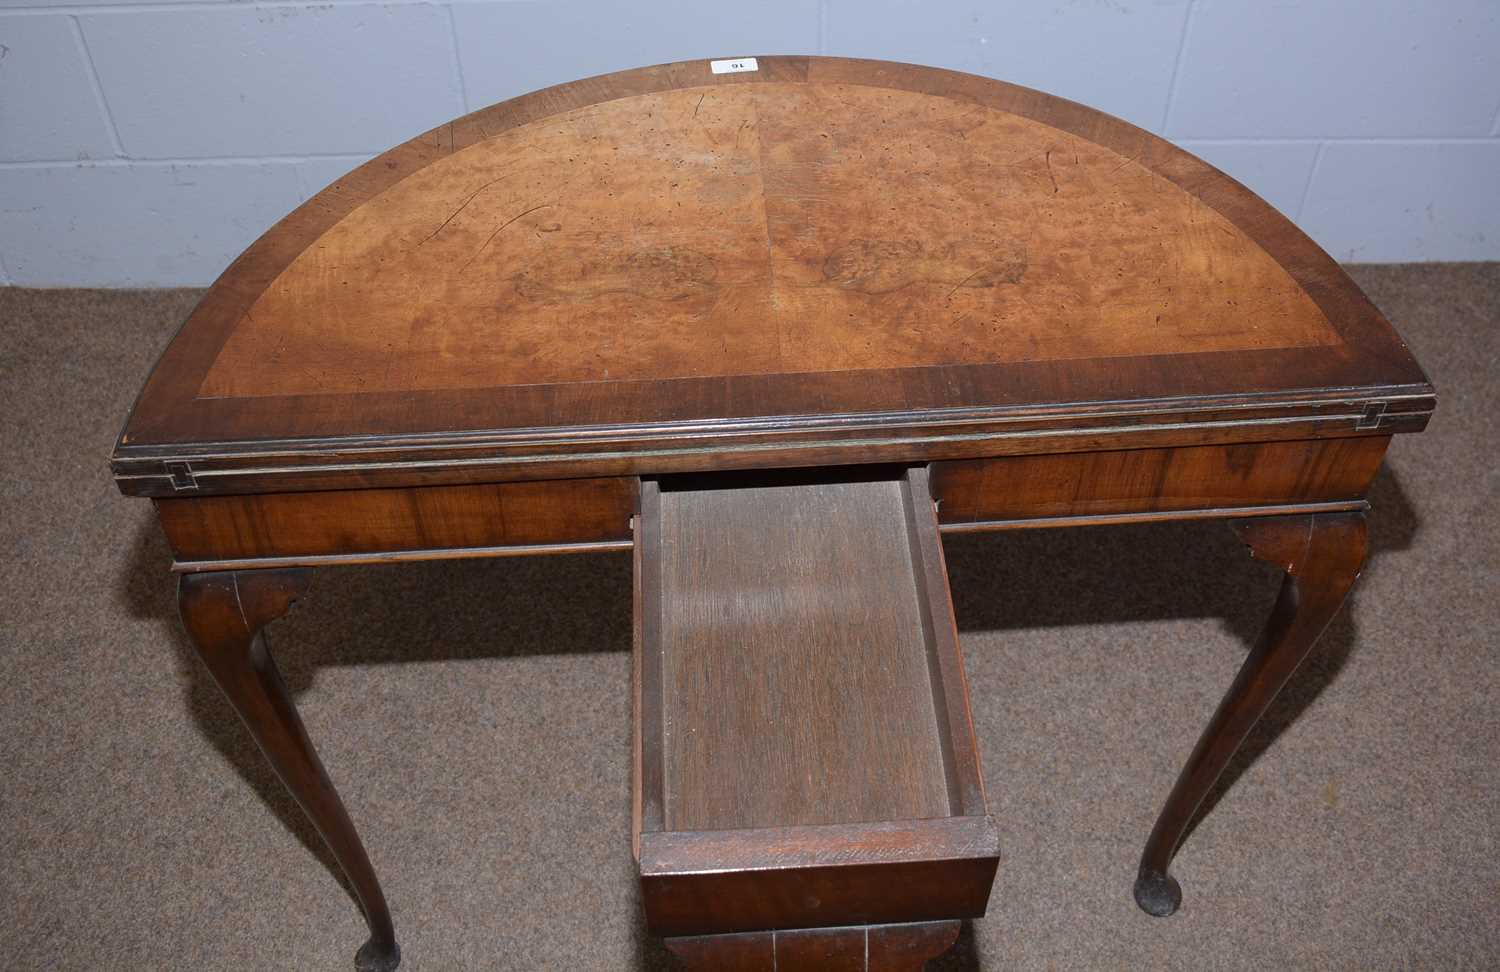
169 6
88 59
1182 43
458 60
1331 139
1312 174
356 158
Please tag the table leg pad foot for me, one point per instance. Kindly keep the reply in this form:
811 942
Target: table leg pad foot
1157 893
376 956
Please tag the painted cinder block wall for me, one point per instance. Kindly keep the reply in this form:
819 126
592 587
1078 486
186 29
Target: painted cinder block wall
146 143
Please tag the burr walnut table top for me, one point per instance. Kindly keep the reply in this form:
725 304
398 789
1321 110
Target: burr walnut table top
817 261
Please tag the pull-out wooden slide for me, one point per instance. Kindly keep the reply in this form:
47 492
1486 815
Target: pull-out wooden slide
805 758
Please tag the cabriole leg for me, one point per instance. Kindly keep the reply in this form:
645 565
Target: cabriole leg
1322 555
224 613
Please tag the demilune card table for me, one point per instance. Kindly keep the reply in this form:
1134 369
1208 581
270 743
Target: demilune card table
776 325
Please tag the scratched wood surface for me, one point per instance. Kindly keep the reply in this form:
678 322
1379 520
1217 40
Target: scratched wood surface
796 686
572 282
757 229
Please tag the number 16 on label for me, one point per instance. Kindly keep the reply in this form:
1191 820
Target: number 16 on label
733 65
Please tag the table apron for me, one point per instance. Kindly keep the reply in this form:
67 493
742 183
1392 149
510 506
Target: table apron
333 527
410 523
1184 482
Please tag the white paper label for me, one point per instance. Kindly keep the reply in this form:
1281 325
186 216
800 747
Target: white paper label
734 65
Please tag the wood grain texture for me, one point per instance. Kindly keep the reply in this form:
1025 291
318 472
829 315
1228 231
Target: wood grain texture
805 754
1322 556
774 228
373 521
224 614
870 948
650 760
795 674
1157 516
818 240
712 903
823 845
1153 480
950 688
879 438
814 948
418 555
744 952
907 948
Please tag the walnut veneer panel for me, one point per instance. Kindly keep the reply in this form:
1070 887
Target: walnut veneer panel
345 522
819 253
1152 480
758 229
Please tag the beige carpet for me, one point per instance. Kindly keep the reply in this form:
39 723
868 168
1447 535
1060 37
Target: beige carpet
475 716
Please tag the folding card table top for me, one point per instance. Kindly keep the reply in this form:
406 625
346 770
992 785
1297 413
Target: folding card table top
774 324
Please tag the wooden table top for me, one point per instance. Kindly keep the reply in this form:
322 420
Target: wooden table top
817 261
